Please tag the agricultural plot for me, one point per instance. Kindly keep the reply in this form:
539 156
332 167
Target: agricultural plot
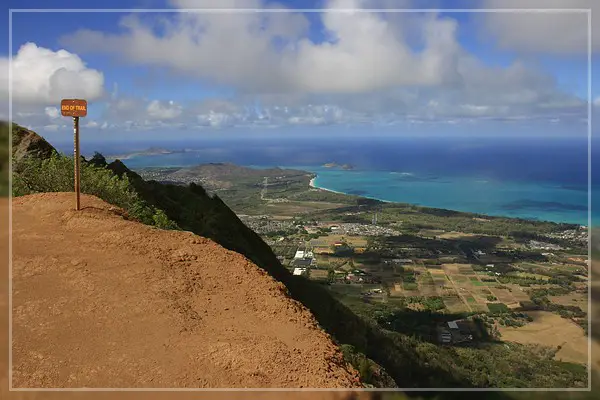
318 274
465 269
439 278
458 279
550 329
454 304
479 307
474 280
396 289
528 275
426 284
504 296
346 289
518 292
451 269
322 261
354 241
411 291
572 299
497 307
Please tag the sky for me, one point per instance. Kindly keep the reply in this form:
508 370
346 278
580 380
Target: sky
338 70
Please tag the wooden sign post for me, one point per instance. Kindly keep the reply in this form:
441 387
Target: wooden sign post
75 108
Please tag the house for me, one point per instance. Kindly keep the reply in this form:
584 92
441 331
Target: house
299 271
303 262
446 337
460 331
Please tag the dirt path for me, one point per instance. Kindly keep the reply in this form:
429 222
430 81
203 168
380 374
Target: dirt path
103 302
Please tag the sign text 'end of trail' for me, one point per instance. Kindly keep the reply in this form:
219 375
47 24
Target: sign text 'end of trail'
73 108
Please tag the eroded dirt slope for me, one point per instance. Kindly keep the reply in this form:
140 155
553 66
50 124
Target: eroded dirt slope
99 301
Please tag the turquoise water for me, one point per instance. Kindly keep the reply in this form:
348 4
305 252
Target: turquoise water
529 200
514 177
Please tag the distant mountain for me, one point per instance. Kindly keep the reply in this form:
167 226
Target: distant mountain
336 165
152 151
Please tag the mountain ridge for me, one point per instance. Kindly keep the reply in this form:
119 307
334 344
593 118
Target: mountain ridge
209 314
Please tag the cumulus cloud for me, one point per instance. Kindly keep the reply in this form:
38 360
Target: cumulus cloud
158 110
41 76
547 32
373 68
52 112
270 52
91 124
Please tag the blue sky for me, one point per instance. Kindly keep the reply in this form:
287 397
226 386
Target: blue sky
148 74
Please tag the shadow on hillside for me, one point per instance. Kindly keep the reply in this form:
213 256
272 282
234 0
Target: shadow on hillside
424 324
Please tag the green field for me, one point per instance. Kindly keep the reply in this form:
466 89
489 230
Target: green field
497 307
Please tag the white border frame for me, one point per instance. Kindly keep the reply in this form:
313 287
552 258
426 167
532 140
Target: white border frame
587 11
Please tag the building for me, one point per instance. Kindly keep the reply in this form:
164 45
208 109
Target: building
302 262
454 332
299 271
299 255
446 337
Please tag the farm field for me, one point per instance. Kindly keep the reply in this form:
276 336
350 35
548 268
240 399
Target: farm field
550 329
572 299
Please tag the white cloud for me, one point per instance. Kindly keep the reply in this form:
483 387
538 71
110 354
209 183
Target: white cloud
52 112
548 32
262 52
158 110
91 124
51 128
42 76
596 101
373 68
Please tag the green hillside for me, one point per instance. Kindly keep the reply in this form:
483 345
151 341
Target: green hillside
376 352
4 159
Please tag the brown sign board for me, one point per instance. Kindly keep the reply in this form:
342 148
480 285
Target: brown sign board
73 108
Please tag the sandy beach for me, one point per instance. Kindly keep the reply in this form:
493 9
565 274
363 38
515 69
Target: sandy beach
312 185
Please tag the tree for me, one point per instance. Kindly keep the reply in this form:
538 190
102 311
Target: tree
331 276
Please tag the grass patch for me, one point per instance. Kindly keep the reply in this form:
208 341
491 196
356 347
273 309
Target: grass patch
497 307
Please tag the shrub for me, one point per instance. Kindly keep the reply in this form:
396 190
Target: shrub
56 174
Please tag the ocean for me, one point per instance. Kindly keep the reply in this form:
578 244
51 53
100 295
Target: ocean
532 178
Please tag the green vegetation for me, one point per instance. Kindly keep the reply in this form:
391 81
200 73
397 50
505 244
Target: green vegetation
55 174
539 298
399 350
497 307
4 159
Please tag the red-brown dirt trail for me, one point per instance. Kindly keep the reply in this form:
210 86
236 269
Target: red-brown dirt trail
99 301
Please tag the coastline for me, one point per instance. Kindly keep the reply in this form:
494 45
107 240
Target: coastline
312 185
